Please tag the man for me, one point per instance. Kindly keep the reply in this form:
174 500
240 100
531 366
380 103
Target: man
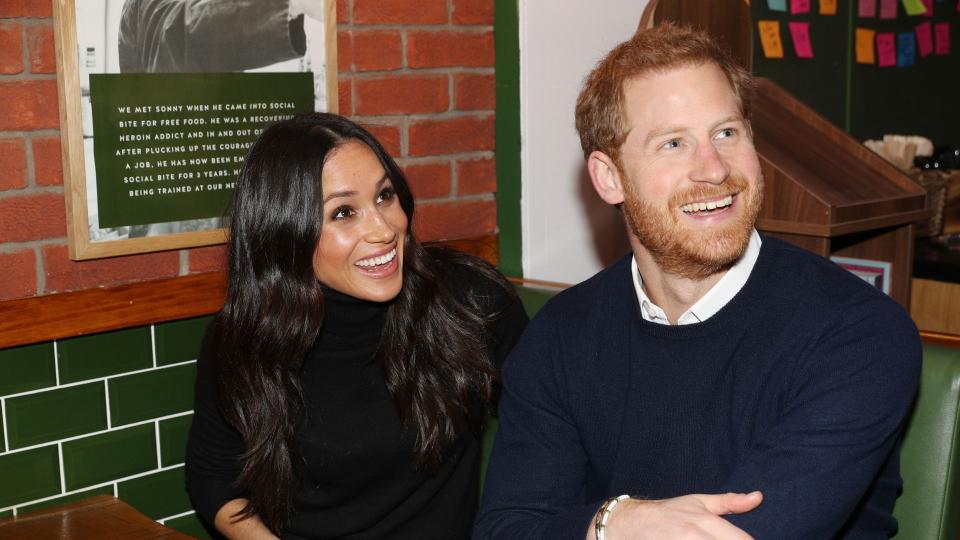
712 359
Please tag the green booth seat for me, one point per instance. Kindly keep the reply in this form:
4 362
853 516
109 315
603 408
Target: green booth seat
929 507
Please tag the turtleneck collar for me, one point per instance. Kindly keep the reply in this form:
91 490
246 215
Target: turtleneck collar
346 316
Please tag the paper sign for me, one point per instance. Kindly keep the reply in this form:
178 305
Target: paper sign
800 32
799 6
906 49
828 7
924 39
886 50
777 5
867 8
941 31
888 9
865 46
914 7
770 39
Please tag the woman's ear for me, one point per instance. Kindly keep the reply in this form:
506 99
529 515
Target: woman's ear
605 177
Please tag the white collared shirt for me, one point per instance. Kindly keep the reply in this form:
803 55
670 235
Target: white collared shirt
712 302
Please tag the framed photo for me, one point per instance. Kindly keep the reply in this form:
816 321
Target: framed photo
876 273
160 100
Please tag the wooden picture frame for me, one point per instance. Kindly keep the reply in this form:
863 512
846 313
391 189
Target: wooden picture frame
87 237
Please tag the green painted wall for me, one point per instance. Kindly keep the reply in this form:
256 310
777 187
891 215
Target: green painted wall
507 43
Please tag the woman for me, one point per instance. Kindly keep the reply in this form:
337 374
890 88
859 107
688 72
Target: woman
342 388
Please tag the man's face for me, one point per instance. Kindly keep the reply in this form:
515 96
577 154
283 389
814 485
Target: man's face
691 179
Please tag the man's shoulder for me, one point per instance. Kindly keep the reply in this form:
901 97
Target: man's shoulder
826 291
594 293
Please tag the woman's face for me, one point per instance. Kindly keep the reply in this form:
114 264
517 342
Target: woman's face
360 252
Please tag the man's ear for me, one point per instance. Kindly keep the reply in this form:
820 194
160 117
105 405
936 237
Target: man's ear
605 177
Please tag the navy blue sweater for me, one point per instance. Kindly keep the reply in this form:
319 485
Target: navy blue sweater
798 387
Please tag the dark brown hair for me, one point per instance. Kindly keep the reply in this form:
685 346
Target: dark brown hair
432 349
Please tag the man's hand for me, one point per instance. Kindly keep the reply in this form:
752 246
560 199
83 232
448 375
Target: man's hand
691 517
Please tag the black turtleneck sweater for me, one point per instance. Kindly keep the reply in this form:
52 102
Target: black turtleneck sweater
359 480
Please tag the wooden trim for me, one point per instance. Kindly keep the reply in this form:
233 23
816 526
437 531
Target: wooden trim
538 283
937 338
57 316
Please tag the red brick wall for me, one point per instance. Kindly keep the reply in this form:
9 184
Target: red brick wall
418 73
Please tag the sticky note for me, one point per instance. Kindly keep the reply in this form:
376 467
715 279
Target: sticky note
770 39
914 7
777 5
865 46
928 6
906 49
867 8
924 39
941 32
799 6
828 7
888 9
886 50
800 32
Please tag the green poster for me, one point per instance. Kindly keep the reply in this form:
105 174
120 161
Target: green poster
168 147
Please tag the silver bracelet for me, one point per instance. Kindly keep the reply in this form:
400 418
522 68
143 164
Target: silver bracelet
603 515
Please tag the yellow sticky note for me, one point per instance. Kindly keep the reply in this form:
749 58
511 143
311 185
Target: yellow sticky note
865 46
828 7
770 39
914 7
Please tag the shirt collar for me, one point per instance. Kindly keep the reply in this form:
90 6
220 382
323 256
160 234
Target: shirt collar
711 302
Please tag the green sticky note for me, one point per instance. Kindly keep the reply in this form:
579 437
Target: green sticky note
914 7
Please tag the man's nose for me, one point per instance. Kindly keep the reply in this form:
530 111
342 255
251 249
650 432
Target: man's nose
709 165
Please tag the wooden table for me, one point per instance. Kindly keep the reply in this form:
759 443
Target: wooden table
101 517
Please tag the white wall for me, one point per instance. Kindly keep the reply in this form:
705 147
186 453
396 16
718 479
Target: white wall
568 232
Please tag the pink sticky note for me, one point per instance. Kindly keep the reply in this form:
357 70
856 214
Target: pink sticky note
886 50
867 8
799 6
929 5
924 39
941 31
888 9
800 32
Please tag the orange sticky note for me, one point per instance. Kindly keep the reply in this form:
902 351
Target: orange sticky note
828 7
770 39
865 46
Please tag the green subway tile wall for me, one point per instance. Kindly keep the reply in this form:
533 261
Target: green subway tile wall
173 440
157 495
29 475
27 368
56 414
160 392
179 341
100 355
115 418
116 454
